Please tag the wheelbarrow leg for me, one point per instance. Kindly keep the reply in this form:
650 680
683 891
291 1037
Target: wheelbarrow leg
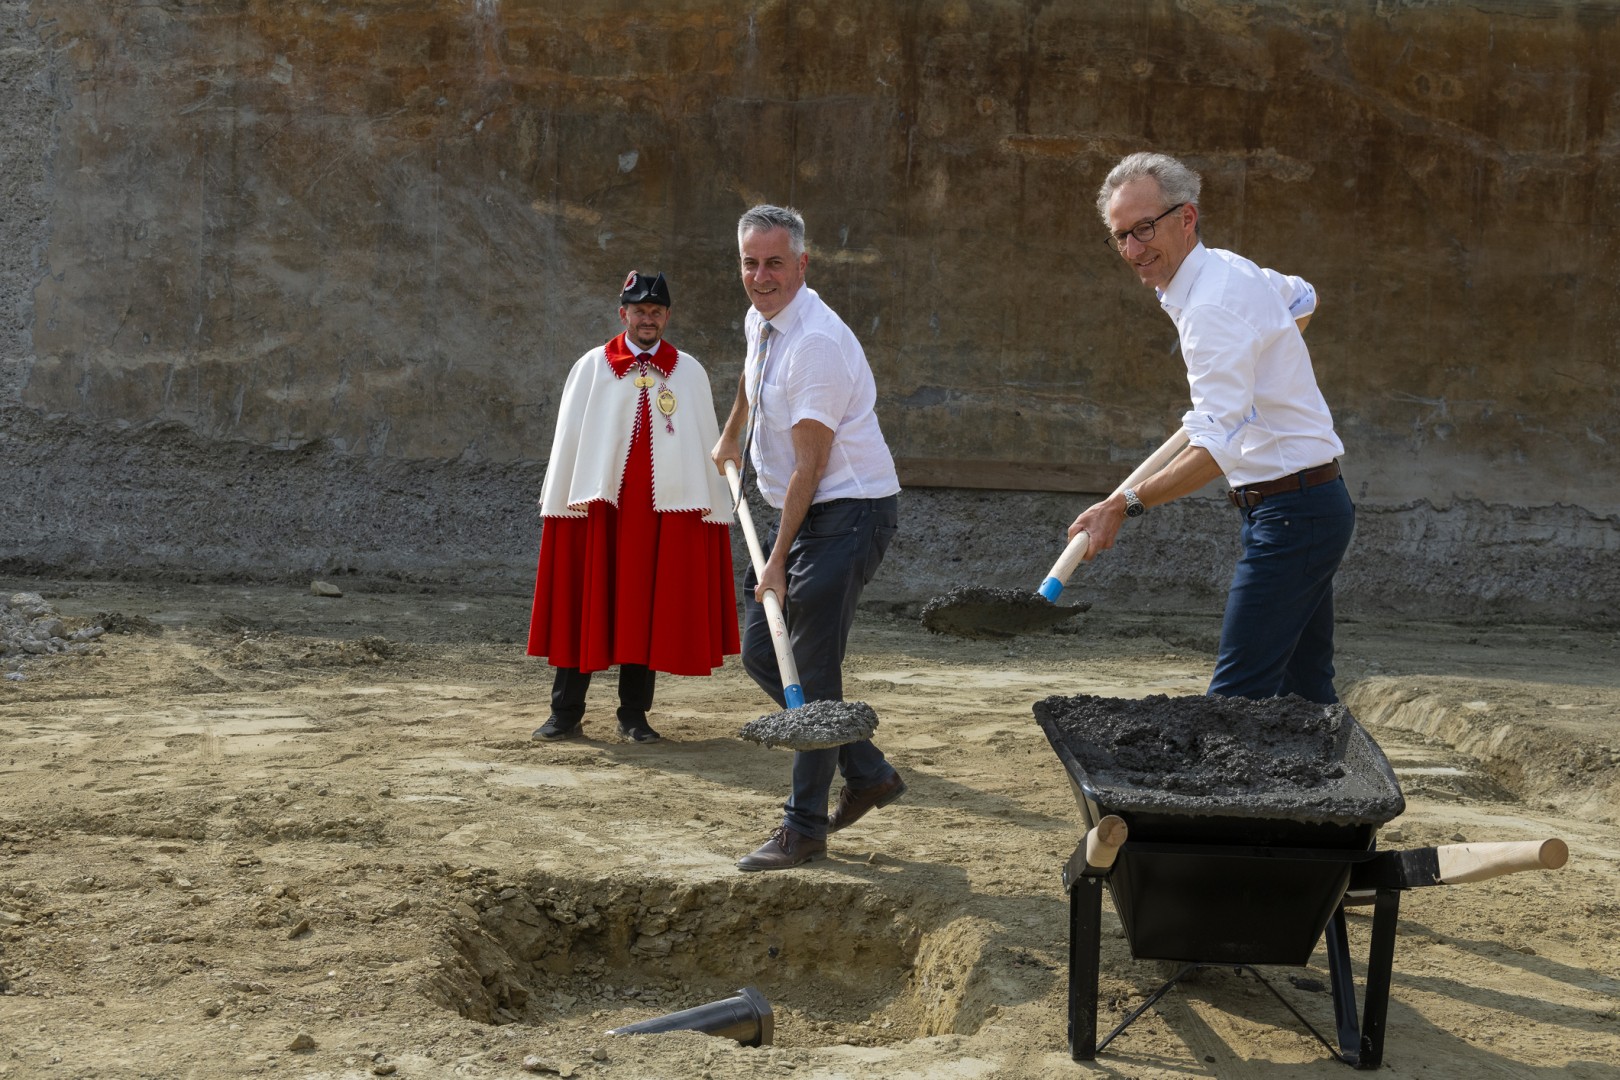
1380 969
1343 979
1085 945
1362 1044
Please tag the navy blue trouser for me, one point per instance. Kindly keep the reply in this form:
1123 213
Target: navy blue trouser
1277 637
836 552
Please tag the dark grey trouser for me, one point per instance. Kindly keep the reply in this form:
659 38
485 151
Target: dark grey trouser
635 694
837 551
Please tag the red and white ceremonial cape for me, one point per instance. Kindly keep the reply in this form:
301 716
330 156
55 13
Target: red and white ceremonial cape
635 548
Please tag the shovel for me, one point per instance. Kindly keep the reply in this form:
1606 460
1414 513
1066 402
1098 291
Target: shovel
981 612
816 726
1052 587
792 692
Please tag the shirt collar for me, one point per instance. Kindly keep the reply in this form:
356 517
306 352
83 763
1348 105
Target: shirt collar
786 319
621 356
1173 297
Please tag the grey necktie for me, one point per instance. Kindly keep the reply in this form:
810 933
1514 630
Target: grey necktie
762 354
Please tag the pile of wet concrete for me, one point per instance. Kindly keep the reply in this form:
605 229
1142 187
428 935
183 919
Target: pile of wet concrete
1201 755
30 628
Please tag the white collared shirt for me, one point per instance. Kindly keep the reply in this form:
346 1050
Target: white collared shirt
815 370
1255 404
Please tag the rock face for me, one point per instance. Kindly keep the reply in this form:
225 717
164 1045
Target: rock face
293 288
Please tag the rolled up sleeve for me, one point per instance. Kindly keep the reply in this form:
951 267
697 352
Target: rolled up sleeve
1296 292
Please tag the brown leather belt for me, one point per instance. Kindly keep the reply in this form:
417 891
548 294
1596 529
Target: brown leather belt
1252 495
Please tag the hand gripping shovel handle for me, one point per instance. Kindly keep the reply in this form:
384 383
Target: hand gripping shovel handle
792 692
1052 587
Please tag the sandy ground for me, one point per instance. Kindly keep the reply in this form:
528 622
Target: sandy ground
312 837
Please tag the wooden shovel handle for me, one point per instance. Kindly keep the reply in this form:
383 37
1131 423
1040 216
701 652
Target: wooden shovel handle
1076 551
791 689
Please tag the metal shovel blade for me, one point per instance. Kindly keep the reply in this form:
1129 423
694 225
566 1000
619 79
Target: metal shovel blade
976 611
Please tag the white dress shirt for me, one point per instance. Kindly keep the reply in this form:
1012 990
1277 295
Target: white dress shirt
815 370
1255 404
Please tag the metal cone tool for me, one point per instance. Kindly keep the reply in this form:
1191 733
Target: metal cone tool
746 1017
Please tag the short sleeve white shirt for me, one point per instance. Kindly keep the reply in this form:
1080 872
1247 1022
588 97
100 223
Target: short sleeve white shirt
1255 404
815 369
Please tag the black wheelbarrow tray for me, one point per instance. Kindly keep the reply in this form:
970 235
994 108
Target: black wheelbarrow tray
1234 833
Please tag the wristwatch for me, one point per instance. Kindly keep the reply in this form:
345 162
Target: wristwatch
1133 505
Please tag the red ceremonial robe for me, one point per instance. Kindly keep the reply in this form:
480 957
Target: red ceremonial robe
628 584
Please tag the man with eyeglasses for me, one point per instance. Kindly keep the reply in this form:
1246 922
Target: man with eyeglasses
1257 417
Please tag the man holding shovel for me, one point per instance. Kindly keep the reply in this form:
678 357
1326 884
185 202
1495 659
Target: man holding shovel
1257 417
806 399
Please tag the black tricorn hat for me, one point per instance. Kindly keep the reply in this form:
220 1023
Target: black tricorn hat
641 289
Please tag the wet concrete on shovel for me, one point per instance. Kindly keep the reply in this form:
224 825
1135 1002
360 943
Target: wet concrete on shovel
978 611
815 726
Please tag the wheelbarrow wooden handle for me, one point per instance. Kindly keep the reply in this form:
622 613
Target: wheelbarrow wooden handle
1479 862
792 692
1052 587
1104 840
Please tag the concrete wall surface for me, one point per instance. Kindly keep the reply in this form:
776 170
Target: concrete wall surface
291 287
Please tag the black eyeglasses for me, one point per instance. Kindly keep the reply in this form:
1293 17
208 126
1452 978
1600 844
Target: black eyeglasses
1142 232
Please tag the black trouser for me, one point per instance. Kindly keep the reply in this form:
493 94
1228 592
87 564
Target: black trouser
635 694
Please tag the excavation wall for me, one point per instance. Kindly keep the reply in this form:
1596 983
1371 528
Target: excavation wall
291 288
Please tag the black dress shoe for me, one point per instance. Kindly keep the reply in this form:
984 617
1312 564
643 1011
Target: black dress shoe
642 732
557 729
853 805
783 851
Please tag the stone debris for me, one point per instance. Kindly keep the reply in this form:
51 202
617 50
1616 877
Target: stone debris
30 627
978 611
816 726
324 588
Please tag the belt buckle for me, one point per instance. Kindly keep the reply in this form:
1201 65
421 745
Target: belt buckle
1244 499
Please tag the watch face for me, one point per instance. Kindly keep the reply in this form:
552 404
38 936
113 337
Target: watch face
1133 505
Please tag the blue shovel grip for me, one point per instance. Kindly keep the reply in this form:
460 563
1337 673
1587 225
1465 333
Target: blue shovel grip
1051 588
794 695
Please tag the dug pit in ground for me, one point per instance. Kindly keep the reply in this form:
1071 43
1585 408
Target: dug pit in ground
207 851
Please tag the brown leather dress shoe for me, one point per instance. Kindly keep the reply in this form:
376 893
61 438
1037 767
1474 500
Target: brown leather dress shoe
853 805
783 851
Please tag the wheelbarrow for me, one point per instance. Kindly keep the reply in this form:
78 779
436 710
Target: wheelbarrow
1217 857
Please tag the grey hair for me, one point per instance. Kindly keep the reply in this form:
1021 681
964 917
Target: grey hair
765 217
1178 183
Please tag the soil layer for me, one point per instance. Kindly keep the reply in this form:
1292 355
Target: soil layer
299 836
